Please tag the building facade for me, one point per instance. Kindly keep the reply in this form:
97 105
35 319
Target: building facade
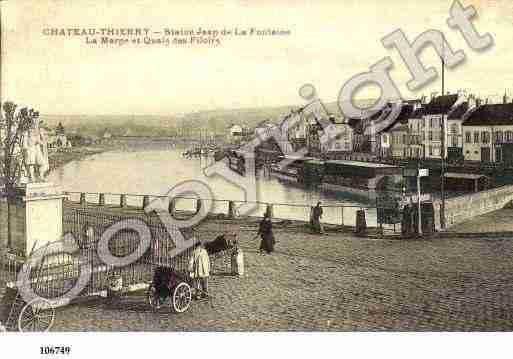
488 133
399 140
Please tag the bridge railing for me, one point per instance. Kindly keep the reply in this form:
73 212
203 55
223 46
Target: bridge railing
343 215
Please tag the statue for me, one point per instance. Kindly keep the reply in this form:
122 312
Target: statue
34 147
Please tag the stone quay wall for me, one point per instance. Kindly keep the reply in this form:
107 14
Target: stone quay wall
465 207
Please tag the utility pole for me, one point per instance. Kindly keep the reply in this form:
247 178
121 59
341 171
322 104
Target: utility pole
442 172
418 200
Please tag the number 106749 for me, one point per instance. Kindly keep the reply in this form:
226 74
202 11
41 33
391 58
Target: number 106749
55 350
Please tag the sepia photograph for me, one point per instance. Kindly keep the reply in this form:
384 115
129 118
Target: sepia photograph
255 172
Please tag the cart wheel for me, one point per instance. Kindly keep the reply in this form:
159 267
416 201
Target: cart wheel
151 297
36 316
182 297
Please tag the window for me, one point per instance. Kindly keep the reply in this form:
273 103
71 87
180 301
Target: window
468 137
385 139
485 137
476 137
454 128
431 150
498 137
431 135
454 141
509 136
405 139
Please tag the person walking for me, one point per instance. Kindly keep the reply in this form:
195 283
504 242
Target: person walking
317 215
265 230
199 268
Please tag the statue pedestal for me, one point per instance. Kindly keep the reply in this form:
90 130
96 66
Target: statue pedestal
35 217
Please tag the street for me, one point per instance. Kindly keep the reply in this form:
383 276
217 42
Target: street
330 283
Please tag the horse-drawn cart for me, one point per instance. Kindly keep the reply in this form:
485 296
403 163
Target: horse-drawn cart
158 267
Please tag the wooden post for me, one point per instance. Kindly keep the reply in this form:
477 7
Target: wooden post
122 201
101 199
82 199
269 210
146 202
231 210
171 207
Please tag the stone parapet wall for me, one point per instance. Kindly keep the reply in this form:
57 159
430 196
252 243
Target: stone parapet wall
462 208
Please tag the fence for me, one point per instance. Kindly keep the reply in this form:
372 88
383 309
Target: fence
334 214
59 270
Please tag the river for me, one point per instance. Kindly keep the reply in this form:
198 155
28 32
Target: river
155 168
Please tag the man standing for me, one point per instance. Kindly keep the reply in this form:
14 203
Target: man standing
317 215
199 268
265 230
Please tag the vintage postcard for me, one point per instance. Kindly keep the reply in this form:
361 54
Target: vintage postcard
255 166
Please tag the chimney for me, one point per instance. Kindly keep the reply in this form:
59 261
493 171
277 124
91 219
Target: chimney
423 99
433 95
472 102
505 98
479 102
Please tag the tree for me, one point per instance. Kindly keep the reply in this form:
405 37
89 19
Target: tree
13 124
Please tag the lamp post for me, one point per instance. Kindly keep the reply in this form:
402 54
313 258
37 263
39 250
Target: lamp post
442 172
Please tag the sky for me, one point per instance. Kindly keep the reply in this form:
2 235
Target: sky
329 42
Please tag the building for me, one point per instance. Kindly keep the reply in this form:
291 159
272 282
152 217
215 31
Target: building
384 147
488 133
454 134
343 141
385 144
425 130
435 115
235 131
399 140
416 134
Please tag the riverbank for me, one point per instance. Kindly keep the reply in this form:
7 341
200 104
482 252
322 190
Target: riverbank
60 158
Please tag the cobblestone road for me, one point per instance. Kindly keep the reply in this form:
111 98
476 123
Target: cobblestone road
335 282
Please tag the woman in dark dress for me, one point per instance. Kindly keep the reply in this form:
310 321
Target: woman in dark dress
265 231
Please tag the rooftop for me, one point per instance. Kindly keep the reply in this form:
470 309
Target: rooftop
399 127
491 115
458 112
440 104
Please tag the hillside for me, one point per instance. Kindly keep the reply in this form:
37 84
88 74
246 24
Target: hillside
215 121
